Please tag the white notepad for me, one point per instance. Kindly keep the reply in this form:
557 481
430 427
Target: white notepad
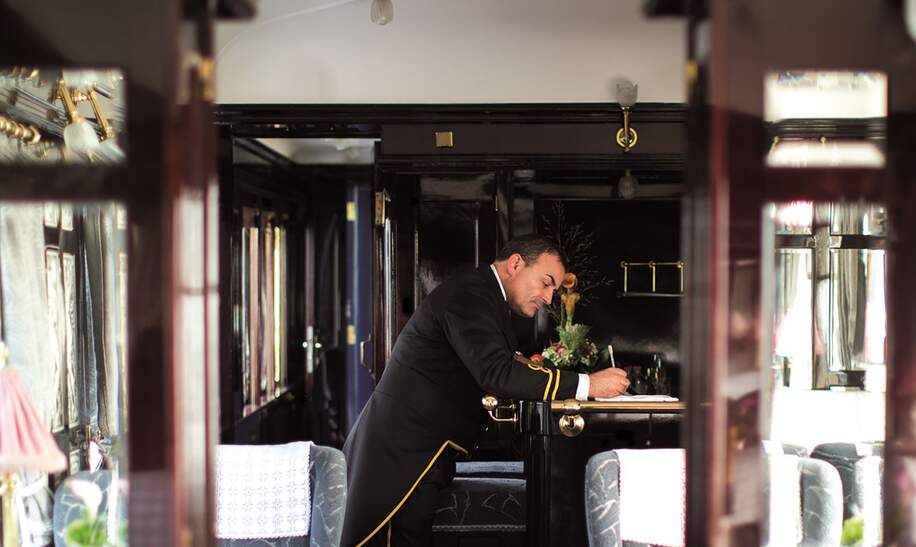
639 399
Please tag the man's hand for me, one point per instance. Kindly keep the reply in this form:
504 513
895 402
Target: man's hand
609 382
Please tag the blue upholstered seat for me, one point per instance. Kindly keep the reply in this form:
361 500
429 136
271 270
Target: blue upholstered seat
483 497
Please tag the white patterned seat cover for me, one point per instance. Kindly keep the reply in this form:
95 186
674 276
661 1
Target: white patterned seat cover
262 491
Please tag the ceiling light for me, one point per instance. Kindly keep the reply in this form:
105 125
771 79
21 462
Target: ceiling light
627 185
382 12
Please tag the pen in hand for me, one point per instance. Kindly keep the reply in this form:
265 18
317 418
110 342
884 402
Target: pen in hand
610 354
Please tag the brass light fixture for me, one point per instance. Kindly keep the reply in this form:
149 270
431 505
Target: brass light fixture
626 97
79 136
628 185
109 148
15 130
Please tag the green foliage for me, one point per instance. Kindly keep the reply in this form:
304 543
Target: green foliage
853 531
573 335
86 532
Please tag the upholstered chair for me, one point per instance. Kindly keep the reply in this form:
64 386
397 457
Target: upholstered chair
814 486
483 505
843 456
602 500
281 465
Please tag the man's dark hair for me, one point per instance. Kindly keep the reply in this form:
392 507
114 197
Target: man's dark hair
531 247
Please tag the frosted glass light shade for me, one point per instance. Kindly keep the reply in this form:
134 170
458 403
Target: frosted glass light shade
110 152
626 94
382 12
627 186
81 138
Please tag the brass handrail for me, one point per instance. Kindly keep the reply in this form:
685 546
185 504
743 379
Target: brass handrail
652 264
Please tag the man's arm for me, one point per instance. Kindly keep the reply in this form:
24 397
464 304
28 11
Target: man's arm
472 328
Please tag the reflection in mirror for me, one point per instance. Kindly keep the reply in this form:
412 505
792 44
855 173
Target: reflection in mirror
852 219
50 116
262 276
794 218
858 317
66 332
823 415
792 352
821 119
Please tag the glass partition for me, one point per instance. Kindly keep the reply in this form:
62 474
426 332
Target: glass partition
66 333
824 344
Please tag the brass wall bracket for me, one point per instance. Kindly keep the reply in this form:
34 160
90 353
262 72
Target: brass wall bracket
445 139
492 406
652 265
623 142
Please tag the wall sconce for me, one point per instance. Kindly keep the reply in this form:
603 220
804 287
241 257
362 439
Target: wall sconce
79 135
627 185
108 149
381 12
626 97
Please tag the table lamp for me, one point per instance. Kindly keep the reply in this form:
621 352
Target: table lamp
25 443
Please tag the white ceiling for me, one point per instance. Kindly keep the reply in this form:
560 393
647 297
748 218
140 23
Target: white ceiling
448 51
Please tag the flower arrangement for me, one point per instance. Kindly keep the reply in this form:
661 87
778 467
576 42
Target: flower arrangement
91 530
573 350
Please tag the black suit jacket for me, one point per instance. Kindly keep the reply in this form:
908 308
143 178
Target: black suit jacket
458 345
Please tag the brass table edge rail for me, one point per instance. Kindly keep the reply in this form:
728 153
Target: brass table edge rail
572 406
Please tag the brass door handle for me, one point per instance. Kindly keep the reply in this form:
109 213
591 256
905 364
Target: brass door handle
571 424
492 406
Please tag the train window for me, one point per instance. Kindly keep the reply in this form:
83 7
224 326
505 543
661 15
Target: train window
262 319
825 119
50 116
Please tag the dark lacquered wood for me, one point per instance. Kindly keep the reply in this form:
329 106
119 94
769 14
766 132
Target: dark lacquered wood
167 152
316 120
528 139
730 184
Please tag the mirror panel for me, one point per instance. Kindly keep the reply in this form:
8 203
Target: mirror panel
54 115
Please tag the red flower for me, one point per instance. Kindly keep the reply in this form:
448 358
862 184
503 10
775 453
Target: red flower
536 358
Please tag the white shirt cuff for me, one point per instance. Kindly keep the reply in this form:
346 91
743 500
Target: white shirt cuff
582 389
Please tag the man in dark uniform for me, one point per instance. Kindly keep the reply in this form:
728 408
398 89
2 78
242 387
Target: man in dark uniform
457 346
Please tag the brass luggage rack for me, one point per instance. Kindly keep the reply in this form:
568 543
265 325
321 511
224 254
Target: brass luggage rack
652 265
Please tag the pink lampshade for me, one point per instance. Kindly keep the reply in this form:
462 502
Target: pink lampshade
25 444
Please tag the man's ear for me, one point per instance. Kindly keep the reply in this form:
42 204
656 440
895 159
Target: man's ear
514 264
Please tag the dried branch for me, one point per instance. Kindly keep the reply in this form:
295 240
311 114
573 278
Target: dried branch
576 244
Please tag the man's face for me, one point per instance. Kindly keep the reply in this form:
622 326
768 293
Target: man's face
531 286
